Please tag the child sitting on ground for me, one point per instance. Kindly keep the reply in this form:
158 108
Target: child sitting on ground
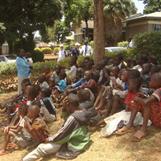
47 110
73 135
42 82
34 124
150 108
13 131
86 99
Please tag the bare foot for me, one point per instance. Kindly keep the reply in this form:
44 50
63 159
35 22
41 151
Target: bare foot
139 135
124 130
3 152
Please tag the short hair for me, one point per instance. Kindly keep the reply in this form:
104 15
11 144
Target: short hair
132 74
73 99
46 92
84 94
26 82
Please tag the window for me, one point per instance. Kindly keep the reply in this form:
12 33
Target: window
157 27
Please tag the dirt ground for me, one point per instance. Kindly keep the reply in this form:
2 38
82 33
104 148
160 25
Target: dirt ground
103 149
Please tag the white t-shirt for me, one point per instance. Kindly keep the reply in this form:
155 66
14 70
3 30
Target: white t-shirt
24 130
86 50
61 55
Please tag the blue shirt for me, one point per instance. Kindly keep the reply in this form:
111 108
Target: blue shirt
23 67
62 85
78 83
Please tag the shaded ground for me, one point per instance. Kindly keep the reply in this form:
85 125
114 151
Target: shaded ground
105 149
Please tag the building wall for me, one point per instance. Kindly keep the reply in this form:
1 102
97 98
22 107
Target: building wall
136 27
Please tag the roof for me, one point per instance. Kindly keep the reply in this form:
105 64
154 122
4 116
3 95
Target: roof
154 15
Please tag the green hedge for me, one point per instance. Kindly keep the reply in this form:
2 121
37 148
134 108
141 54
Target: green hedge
148 44
10 69
122 44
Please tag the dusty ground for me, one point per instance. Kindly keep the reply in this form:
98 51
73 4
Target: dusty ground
105 149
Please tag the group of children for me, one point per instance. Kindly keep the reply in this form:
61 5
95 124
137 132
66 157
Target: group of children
87 95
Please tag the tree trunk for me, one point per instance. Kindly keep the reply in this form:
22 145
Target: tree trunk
99 39
86 30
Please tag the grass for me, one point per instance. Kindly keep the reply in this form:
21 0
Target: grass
104 149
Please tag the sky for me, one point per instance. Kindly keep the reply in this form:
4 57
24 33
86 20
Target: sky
139 5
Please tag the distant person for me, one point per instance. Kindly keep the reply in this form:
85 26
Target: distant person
130 43
23 68
86 49
61 53
75 51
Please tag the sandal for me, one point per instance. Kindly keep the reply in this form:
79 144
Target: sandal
138 136
124 130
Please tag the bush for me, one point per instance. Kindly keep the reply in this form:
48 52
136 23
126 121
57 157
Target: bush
37 56
46 50
91 43
10 69
81 59
127 54
65 63
56 50
148 44
122 44
7 69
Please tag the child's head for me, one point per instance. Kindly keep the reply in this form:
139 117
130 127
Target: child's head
106 72
79 73
46 71
57 69
34 110
25 83
118 59
124 75
87 75
62 75
155 81
73 103
46 93
101 65
83 95
23 109
33 92
95 75
134 84
87 63
51 83
133 74
41 79
114 71
146 68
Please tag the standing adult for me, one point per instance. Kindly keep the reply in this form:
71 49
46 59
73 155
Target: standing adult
75 51
61 54
86 49
23 68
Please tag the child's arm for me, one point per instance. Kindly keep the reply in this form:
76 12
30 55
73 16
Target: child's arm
16 130
150 100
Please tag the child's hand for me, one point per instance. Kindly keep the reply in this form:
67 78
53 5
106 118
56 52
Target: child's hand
139 100
6 129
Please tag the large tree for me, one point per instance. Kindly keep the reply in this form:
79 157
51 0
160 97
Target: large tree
77 10
98 31
115 12
152 6
22 18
